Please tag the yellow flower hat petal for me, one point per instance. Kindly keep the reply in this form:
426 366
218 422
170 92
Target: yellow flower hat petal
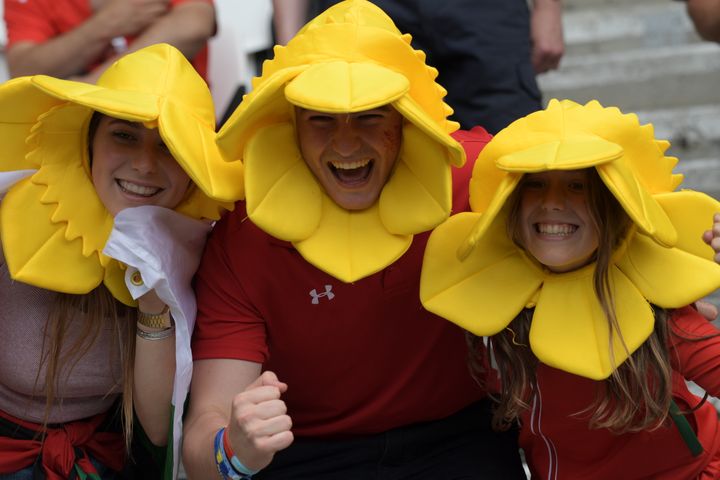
350 58
569 331
689 211
466 291
284 187
52 224
476 277
668 277
349 247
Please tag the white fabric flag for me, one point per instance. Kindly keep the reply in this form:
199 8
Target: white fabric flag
165 247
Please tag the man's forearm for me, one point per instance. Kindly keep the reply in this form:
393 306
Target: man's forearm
198 449
187 27
288 17
64 56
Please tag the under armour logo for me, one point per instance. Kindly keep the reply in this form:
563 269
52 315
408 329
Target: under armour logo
327 293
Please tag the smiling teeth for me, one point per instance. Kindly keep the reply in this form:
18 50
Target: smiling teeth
138 189
556 228
350 165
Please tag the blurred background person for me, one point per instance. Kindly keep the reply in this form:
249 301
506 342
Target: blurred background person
488 53
79 39
705 15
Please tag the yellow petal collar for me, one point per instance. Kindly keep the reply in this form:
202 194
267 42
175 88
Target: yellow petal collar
285 200
484 292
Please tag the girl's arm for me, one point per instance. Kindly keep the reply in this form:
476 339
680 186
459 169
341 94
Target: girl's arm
154 373
695 349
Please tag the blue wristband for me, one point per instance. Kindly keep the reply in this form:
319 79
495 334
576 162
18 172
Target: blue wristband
225 468
240 468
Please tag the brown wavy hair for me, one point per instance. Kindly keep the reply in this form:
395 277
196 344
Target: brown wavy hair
637 395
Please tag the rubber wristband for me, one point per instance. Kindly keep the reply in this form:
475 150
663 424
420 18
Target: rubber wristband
224 468
234 460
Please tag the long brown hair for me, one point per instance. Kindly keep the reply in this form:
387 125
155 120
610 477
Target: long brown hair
88 314
638 393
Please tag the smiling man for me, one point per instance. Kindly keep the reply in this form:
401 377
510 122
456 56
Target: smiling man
313 355
351 155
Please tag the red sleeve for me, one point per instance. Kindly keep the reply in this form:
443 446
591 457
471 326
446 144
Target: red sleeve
27 21
227 326
472 141
178 2
695 349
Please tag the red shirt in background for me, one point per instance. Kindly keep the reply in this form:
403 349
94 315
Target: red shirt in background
40 20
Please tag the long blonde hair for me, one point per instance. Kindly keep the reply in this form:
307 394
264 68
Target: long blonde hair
637 395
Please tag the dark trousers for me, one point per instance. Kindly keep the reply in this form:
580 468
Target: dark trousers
461 446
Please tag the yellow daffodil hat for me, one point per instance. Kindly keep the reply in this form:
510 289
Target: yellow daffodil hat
476 277
53 226
348 59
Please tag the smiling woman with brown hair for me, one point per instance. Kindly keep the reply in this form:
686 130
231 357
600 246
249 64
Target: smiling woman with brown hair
76 342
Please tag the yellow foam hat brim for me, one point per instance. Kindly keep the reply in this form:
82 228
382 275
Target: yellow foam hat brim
474 293
346 87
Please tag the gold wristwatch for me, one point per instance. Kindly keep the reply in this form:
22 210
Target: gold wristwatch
155 320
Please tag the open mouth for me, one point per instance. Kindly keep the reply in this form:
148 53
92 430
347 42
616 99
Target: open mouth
139 190
555 229
351 173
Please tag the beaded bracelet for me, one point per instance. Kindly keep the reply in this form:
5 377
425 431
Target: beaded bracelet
232 468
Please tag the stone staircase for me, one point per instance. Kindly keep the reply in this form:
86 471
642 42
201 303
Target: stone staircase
645 57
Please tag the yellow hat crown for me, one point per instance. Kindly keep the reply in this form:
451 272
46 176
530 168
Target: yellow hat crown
569 136
350 58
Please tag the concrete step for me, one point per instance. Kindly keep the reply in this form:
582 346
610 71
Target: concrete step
694 135
693 131
608 28
643 79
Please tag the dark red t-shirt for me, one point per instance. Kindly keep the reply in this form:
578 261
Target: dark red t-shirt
358 358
